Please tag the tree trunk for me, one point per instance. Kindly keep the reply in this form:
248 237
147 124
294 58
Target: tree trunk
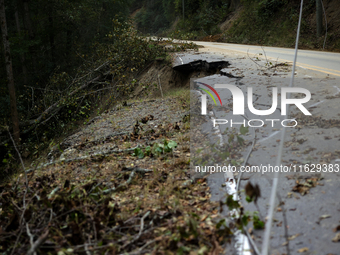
28 19
9 70
22 55
51 34
319 25
183 9
234 4
29 30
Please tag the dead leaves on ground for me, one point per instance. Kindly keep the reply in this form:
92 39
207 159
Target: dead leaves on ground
147 118
253 192
86 209
305 183
157 212
81 218
316 121
153 133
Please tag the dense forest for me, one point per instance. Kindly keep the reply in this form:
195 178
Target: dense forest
49 40
198 17
262 22
65 59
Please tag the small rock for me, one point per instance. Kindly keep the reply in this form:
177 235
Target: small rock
303 250
336 238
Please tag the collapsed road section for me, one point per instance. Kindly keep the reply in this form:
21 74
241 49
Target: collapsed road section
188 63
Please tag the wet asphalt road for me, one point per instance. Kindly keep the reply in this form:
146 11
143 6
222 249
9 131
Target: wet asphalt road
327 62
310 216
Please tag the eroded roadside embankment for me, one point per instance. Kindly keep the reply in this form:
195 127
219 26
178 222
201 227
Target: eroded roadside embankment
118 185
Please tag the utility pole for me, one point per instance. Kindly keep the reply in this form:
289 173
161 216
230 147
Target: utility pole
183 8
319 26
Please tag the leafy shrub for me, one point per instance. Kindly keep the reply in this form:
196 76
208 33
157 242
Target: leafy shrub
156 149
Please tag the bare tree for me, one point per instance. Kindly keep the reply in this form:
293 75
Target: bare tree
9 70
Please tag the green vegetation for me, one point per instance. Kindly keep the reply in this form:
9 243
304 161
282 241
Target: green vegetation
69 64
155 150
154 16
56 49
200 17
268 22
264 22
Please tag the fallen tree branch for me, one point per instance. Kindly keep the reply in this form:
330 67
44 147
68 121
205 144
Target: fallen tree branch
102 153
21 161
285 222
100 67
56 104
30 236
121 185
52 115
144 246
137 169
255 61
37 243
140 230
16 241
265 55
101 139
256 250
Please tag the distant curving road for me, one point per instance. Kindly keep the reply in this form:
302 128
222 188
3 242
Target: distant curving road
326 62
